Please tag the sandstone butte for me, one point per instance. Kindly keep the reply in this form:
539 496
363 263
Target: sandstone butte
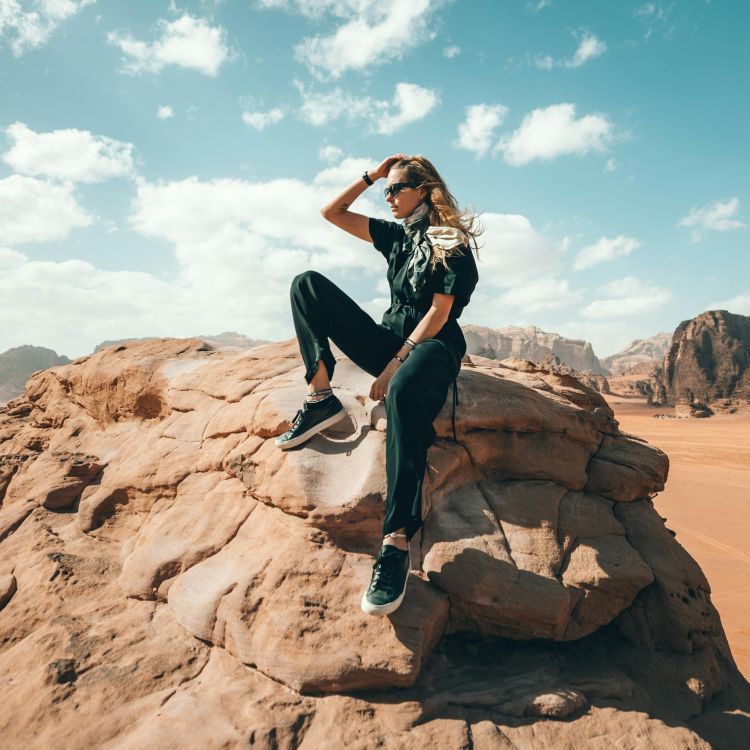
170 579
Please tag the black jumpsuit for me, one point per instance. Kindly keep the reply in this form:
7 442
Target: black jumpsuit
418 389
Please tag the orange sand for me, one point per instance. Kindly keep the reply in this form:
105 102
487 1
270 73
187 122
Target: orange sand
706 501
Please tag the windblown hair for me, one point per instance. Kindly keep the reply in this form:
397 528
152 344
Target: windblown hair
443 210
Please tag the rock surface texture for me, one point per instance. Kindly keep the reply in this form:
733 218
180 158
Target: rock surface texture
170 579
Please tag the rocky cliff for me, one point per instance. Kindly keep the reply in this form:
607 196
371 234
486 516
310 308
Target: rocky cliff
18 363
708 360
638 352
170 579
533 344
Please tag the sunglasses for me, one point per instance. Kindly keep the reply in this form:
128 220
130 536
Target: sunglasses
396 188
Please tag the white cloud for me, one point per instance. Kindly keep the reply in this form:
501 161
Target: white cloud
477 131
330 153
610 165
718 217
514 252
222 231
541 295
410 103
546 134
187 42
451 51
165 112
261 120
626 297
33 210
29 24
589 47
519 270
604 249
739 305
68 154
373 32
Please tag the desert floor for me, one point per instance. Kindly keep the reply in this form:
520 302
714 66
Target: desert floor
706 501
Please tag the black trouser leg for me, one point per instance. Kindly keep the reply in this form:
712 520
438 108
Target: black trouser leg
416 394
321 310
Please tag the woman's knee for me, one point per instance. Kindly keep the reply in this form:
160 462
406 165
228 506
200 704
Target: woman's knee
305 277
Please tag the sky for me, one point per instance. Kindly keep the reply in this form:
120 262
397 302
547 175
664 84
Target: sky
163 163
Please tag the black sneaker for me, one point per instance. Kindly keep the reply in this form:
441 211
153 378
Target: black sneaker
388 585
310 420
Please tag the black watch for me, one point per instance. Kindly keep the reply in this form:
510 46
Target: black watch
367 179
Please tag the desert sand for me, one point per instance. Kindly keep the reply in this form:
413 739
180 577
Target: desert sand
706 502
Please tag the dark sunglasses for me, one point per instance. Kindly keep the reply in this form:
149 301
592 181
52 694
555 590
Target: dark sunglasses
396 188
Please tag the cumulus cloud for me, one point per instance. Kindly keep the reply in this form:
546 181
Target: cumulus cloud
410 103
451 51
546 134
165 112
222 232
261 120
541 295
67 154
589 47
519 271
604 249
33 210
717 217
739 304
626 297
477 132
29 24
373 32
186 42
330 153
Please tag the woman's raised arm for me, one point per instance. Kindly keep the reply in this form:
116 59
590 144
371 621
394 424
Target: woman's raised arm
337 210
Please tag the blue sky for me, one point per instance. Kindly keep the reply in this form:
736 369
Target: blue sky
162 164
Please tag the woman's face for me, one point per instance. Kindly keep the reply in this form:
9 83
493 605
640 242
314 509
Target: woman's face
407 199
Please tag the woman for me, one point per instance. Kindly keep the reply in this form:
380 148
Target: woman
414 353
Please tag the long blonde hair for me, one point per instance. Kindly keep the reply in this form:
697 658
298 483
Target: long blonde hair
442 208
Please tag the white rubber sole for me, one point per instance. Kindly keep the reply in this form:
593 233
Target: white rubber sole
305 436
385 609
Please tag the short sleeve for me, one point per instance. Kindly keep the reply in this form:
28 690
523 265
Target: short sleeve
459 279
384 235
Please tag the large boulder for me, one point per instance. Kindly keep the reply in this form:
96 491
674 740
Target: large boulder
158 547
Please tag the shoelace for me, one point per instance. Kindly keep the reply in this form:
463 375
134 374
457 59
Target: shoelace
385 568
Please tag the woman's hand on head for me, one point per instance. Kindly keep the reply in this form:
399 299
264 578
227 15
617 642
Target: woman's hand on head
384 167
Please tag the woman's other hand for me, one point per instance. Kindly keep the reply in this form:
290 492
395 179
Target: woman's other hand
384 167
379 388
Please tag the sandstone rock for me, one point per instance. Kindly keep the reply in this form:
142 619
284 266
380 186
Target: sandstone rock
709 359
177 580
532 344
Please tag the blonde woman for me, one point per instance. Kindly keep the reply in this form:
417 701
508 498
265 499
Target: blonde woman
414 354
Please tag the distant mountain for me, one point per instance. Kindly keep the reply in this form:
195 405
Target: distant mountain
228 338
638 352
708 360
18 363
533 344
